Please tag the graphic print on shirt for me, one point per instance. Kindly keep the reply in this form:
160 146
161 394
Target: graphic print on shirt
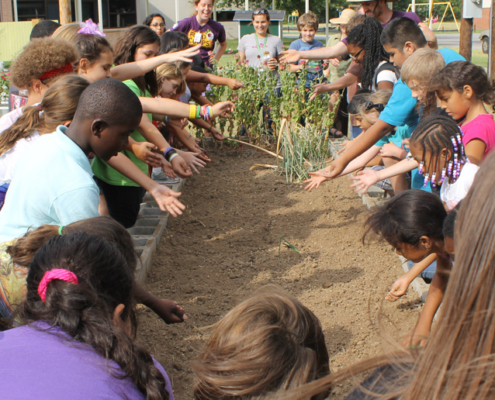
203 38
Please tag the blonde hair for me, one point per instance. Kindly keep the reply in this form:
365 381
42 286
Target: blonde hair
41 56
422 66
267 343
58 105
171 71
67 32
378 97
309 19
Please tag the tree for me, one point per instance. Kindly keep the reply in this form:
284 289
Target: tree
316 6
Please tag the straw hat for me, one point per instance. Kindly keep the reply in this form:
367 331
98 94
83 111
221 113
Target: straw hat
345 16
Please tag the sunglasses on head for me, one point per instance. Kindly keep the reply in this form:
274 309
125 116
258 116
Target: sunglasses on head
261 11
370 105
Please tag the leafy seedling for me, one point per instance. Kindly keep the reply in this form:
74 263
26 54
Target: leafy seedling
287 244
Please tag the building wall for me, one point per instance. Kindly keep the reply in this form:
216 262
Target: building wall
7 15
169 10
483 22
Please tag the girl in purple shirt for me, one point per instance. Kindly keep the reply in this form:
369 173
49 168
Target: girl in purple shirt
78 339
201 29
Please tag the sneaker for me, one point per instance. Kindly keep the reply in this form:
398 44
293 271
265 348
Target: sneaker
162 178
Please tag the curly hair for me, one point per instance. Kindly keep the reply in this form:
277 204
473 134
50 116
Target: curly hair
126 47
367 36
38 57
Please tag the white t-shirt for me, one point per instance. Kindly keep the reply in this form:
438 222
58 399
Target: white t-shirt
452 193
9 119
8 160
385 75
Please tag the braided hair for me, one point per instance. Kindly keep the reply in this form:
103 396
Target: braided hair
434 134
367 36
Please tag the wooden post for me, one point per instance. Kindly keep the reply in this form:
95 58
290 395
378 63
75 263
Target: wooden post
65 12
466 38
491 51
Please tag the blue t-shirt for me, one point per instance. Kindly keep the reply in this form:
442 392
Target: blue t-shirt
52 184
314 67
450 55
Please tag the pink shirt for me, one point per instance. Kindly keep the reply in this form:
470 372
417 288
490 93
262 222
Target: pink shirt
481 128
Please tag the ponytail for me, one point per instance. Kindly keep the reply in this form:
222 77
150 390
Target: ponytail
25 126
85 310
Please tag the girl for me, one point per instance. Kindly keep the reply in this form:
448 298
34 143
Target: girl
16 255
412 222
260 49
201 29
84 322
462 88
41 62
377 72
267 343
456 363
156 22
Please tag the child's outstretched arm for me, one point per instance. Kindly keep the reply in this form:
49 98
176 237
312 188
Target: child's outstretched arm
293 56
347 80
195 76
138 68
176 109
166 198
435 296
365 179
169 311
399 287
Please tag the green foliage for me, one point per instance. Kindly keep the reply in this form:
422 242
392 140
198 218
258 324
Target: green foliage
304 148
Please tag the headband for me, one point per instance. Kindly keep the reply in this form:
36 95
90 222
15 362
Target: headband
90 28
58 71
58 274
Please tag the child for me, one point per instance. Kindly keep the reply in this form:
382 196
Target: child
63 191
400 39
79 311
41 62
436 145
16 255
269 342
462 88
412 222
307 25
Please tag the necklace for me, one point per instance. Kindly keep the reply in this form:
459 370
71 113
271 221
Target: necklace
258 44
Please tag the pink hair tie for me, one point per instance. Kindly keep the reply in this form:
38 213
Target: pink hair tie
90 28
59 274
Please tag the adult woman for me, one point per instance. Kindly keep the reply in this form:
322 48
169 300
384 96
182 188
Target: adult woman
79 311
156 22
363 44
201 29
260 49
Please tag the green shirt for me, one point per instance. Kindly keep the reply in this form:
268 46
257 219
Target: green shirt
109 175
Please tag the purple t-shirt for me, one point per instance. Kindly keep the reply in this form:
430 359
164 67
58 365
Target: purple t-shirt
396 14
206 35
41 365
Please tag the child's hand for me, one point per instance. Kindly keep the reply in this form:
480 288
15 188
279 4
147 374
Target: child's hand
184 55
320 88
167 169
398 289
364 179
193 160
223 108
167 199
391 150
169 311
417 338
345 146
142 151
314 182
180 167
290 56
335 62
273 64
234 84
217 135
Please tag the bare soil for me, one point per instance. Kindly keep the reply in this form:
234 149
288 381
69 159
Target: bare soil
227 244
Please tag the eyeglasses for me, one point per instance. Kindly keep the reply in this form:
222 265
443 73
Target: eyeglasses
162 25
370 105
355 56
260 11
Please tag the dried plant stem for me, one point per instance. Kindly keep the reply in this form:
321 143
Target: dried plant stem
256 147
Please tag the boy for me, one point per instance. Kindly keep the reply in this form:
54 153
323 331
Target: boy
53 182
307 25
401 38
